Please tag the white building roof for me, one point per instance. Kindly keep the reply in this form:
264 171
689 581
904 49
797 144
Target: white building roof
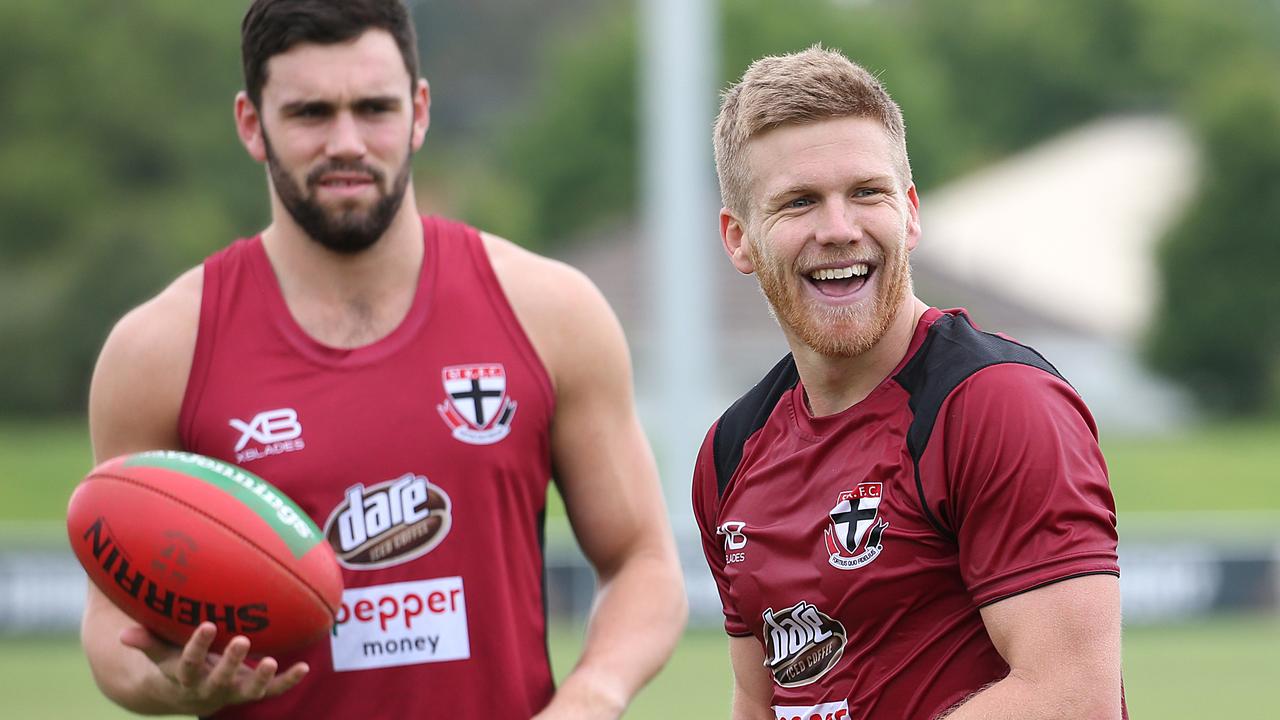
1068 229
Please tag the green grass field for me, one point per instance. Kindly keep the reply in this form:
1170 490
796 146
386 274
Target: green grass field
1224 667
1234 466
40 462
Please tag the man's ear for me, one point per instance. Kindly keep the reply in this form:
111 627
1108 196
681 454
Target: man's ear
421 112
913 219
733 236
249 127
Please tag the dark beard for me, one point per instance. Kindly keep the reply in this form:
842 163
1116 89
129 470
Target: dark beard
344 231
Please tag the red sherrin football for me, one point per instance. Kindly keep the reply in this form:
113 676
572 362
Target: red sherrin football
175 539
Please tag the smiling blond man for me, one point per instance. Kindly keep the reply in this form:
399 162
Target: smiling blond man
907 517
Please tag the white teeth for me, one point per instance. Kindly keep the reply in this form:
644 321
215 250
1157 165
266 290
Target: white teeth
858 270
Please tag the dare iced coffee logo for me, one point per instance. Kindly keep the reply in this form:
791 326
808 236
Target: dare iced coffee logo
389 523
801 643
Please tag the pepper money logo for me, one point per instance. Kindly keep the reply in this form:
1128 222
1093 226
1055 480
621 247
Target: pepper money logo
389 523
801 643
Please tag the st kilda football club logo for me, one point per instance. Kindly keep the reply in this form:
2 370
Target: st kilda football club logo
853 537
476 407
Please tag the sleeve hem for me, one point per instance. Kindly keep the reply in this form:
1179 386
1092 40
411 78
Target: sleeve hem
1032 577
1046 583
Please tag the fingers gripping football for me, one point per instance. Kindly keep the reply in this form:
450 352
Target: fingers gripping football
204 681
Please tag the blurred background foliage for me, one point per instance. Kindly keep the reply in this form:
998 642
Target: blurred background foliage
121 165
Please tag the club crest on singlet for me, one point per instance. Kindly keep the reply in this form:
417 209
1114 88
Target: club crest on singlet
853 537
476 406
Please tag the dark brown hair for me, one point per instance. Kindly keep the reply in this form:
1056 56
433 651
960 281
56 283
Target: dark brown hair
272 27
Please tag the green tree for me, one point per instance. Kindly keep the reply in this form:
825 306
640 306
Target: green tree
121 168
118 174
978 80
1217 329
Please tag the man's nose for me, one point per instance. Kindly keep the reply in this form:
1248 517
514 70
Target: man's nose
345 140
838 224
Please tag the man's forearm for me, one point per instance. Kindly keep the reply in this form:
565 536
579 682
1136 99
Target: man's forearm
636 621
1018 698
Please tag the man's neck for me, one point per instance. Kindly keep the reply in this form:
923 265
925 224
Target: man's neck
833 385
346 300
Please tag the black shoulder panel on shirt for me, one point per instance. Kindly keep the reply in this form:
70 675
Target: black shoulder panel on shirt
952 351
748 415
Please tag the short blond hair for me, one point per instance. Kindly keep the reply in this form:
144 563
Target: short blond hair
814 84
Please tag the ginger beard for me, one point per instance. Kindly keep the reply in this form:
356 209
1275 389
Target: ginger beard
839 331
349 229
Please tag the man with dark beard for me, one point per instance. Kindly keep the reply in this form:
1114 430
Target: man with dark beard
907 517
410 382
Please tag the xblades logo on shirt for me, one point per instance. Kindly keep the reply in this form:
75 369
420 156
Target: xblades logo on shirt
801 643
735 541
274 432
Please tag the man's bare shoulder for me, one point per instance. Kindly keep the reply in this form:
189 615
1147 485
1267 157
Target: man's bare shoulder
138 385
165 324
543 291
532 279
558 306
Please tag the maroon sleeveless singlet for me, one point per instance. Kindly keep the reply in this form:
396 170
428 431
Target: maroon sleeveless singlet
424 457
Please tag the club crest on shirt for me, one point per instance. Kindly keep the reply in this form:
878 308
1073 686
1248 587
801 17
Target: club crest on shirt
476 407
853 537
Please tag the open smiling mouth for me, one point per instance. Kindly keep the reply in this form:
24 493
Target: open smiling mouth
841 281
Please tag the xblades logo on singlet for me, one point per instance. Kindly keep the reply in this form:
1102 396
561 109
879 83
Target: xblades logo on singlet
272 432
476 407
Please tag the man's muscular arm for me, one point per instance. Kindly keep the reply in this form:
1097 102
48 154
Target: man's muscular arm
607 476
1030 501
134 404
1062 644
752 684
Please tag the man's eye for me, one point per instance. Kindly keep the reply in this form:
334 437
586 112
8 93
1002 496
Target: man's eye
867 192
799 202
375 108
